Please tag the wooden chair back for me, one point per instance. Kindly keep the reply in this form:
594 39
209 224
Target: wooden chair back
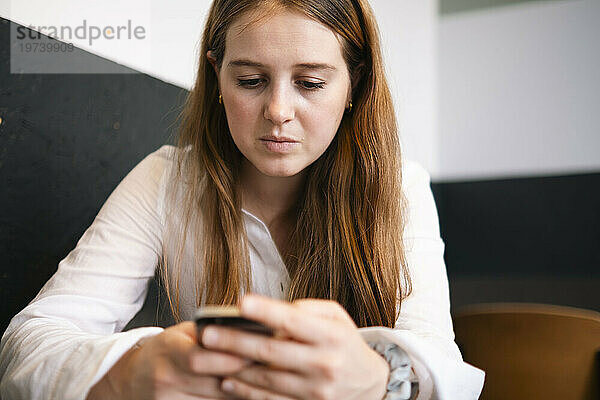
532 351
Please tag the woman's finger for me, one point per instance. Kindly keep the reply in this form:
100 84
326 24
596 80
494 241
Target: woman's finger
326 308
246 391
205 386
177 395
182 348
278 381
206 362
188 328
277 353
288 319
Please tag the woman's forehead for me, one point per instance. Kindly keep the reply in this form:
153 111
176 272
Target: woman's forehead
284 34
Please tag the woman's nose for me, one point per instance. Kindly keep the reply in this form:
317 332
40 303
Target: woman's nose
279 107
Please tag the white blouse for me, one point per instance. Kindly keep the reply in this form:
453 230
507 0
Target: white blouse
70 335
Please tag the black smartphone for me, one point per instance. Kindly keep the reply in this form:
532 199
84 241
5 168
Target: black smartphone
227 316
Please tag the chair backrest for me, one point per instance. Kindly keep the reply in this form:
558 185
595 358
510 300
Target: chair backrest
532 351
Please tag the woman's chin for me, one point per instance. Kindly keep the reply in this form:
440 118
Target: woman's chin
280 171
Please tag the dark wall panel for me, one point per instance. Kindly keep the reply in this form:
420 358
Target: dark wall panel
66 141
528 239
522 227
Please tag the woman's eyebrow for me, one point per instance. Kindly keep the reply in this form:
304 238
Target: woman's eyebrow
315 66
250 63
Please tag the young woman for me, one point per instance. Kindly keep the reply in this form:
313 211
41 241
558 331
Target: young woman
286 182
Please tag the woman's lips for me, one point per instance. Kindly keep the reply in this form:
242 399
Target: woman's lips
279 145
273 138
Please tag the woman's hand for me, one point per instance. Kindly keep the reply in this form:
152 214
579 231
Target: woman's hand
170 365
317 353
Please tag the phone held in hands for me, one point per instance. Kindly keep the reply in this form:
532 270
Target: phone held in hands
229 316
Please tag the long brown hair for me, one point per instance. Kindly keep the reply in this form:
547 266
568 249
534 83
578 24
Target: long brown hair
347 242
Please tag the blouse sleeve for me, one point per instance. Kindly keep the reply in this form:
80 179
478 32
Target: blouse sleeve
64 341
424 328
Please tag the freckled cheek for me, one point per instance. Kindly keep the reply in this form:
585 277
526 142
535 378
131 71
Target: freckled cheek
242 115
321 123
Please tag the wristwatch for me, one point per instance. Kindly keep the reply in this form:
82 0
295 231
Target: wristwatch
402 384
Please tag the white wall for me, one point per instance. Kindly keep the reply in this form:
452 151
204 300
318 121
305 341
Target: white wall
409 35
520 90
173 31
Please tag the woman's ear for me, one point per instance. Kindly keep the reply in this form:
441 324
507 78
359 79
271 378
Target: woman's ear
213 61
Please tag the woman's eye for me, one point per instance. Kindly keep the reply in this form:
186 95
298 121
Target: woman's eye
249 83
312 85
256 82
